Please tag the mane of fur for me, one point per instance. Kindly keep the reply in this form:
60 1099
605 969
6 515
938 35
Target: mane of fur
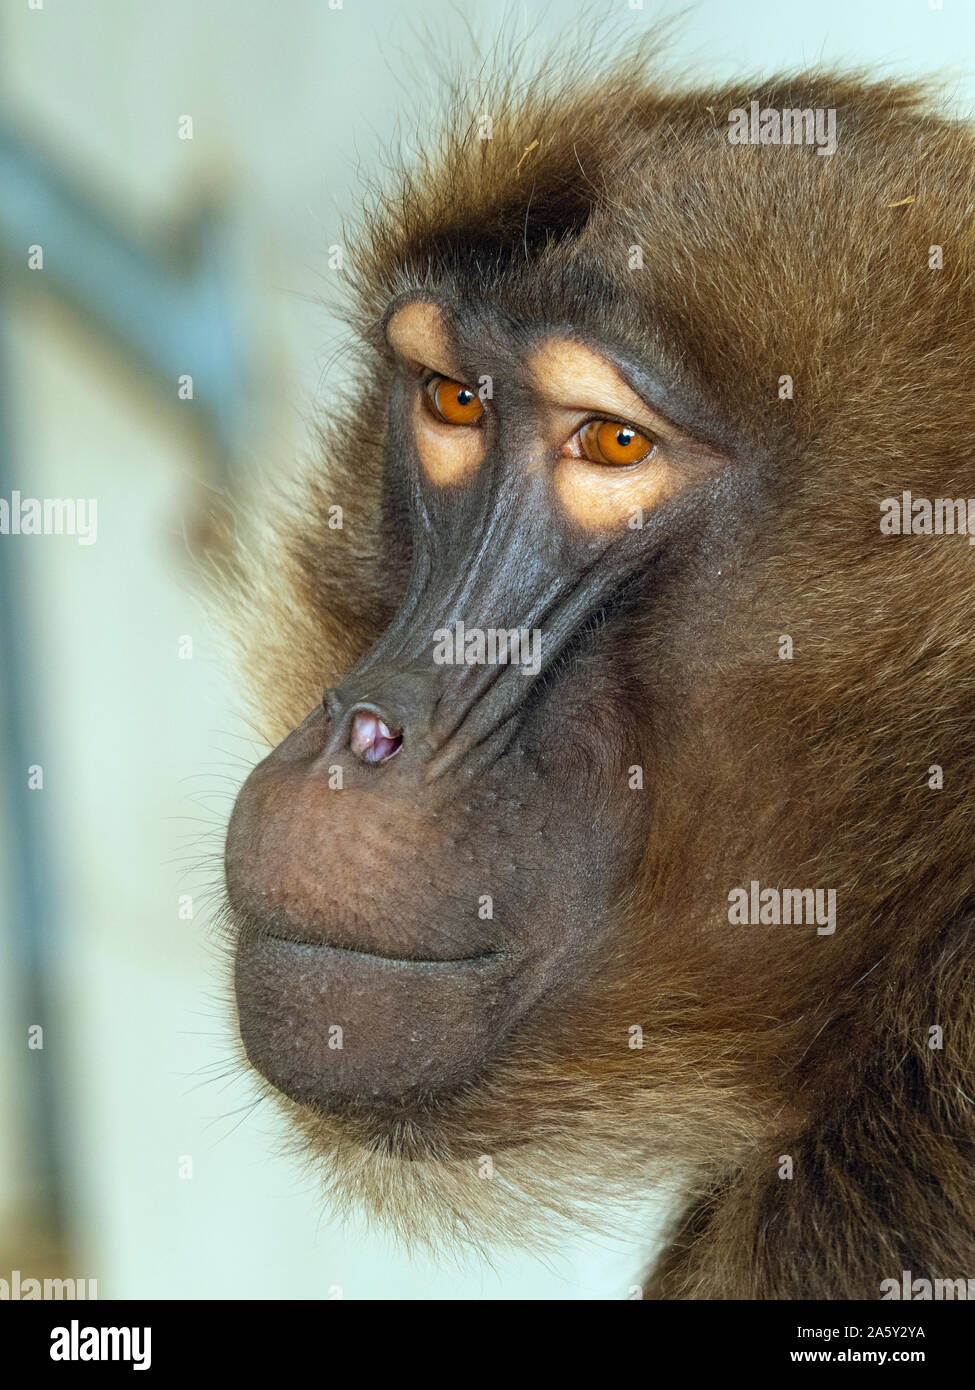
757 262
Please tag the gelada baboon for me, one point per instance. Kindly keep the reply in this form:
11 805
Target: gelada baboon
632 839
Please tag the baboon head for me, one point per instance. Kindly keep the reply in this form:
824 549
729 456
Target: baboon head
583 636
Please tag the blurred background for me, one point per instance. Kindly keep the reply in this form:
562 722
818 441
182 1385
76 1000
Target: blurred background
173 174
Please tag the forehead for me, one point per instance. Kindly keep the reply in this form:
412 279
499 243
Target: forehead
560 367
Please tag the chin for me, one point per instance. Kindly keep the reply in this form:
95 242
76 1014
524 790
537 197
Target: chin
332 1027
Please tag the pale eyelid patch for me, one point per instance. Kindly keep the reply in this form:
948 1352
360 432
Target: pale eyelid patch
449 454
571 377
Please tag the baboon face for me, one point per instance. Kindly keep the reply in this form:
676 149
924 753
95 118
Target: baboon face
444 839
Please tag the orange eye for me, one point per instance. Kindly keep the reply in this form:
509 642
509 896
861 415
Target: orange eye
606 441
453 402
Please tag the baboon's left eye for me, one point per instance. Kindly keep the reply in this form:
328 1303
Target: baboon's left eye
607 441
452 401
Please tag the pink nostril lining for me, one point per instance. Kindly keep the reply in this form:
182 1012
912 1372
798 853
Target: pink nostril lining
371 740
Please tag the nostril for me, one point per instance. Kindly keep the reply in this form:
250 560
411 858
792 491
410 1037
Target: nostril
371 739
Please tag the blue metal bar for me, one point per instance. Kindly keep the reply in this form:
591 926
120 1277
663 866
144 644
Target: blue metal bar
30 900
167 308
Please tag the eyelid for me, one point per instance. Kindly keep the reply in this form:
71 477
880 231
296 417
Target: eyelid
427 374
419 368
624 407
607 418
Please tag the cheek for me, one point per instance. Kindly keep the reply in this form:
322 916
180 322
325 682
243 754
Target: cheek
449 454
599 498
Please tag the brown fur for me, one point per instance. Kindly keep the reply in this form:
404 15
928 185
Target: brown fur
759 1042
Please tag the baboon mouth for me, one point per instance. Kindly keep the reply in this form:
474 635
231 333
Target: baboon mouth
369 954
327 1024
